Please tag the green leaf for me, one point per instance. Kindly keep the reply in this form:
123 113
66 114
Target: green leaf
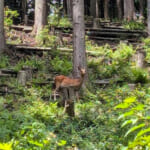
142 132
126 123
133 121
35 143
129 113
134 128
124 148
5 146
130 100
122 106
62 143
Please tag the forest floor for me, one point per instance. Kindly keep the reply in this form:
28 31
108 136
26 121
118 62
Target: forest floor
29 119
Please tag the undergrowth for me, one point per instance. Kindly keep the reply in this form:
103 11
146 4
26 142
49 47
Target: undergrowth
32 120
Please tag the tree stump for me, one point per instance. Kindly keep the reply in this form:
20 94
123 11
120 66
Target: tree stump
140 56
25 75
29 72
68 100
96 23
139 59
22 77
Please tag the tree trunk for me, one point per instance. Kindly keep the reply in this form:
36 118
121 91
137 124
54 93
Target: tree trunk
141 8
129 10
79 54
97 8
93 8
106 12
148 16
40 19
119 7
2 37
65 7
69 8
24 11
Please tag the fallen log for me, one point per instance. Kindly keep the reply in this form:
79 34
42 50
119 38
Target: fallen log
43 49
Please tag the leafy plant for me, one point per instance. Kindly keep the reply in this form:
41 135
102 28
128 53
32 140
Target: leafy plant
55 19
134 25
6 146
45 39
63 66
9 16
32 62
4 61
136 119
146 42
140 75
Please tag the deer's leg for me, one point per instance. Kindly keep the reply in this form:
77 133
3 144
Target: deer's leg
56 89
77 96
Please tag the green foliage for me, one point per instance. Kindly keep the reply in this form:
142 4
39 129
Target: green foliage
112 62
135 120
9 15
146 42
6 146
139 75
4 61
45 39
55 20
32 62
134 25
63 66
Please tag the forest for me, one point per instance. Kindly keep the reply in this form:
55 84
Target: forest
74 74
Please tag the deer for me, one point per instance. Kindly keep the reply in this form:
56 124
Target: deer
62 81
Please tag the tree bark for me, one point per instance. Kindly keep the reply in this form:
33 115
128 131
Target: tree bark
65 7
2 37
93 8
141 2
40 19
106 11
79 54
148 16
97 8
129 10
24 11
119 7
69 8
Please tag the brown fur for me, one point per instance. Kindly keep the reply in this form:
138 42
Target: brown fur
62 81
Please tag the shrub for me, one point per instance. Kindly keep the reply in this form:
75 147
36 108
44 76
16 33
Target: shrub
134 25
135 121
9 15
63 66
44 38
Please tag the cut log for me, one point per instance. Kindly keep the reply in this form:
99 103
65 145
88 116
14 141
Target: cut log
22 77
29 72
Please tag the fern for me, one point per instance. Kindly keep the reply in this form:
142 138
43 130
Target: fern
136 122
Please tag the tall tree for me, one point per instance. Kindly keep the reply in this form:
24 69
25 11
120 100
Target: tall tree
119 7
148 16
2 37
97 8
129 10
106 10
65 7
79 54
69 8
93 8
24 11
141 6
40 19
